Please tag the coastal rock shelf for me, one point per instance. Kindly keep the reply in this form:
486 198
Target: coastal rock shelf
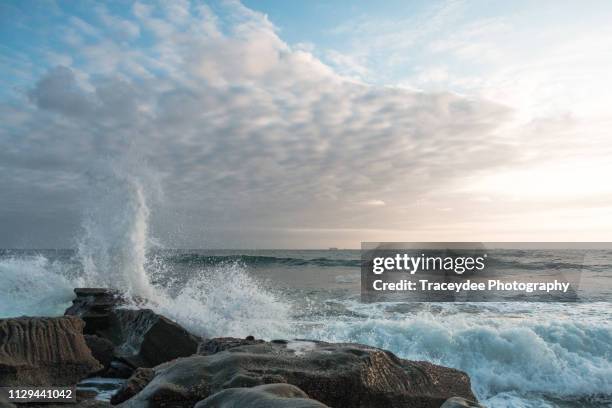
169 367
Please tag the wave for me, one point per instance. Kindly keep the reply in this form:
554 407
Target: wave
541 359
226 301
34 286
221 301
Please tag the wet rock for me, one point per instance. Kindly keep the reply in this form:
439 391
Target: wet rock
95 306
102 350
44 351
149 339
339 375
263 396
138 380
5 403
89 404
458 402
120 369
141 337
217 344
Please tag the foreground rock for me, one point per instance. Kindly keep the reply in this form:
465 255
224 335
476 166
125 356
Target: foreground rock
95 307
5 403
262 396
338 375
134 384
141 337
78 404
218 344
102 350
44 351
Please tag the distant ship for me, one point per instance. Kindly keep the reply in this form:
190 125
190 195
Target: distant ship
332 249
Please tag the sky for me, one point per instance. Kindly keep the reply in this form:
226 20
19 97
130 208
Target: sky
271 124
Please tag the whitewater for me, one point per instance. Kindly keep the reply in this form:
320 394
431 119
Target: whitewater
517 354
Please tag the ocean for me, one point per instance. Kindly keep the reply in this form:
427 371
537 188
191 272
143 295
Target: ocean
518 354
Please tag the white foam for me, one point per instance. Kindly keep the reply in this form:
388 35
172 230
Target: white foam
115 240
539 354
301 347
33 286
227 301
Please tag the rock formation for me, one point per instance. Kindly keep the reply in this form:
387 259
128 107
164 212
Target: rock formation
44 351
141 336
338 375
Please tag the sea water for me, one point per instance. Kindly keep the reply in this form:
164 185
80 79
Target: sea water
518 354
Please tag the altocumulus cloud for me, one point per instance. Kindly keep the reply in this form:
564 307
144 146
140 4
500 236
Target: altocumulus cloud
243 131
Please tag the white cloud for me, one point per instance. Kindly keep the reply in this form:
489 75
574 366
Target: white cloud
245 131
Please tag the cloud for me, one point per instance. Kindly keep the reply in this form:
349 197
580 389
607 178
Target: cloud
58 91
374 203
242 129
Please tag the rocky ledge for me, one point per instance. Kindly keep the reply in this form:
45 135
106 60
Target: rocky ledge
44 351
169 367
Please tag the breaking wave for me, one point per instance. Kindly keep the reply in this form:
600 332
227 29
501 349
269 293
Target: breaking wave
541 358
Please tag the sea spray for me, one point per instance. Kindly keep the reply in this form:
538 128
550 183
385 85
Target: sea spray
115 251
115 240
33 285
226 301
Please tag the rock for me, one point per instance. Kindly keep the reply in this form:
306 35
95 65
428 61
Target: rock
39 351
89 404
339 375
84 399
141 337
217 344
119 369
262 396
4 402
458 402
149 339
138 380
102 350
95 306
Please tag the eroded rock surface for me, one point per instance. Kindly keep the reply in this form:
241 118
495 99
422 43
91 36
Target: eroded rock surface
44 351
338 375
262 396
217 344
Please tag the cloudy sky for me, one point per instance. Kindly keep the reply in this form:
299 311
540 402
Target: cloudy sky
270 124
